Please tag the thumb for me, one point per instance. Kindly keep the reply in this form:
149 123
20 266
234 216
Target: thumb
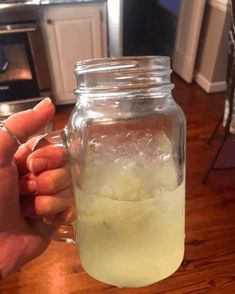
23 125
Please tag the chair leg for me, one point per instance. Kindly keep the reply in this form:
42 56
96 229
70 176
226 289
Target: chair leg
230 93
211 167
215 130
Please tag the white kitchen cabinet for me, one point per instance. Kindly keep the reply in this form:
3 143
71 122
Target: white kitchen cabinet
72 32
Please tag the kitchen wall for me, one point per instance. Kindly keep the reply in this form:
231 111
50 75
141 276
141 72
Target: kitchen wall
213 47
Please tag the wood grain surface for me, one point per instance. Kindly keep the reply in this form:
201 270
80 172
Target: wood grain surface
209 262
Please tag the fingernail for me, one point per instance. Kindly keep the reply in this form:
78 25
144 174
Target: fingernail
37 165
32 185
49 219
43 102
28 186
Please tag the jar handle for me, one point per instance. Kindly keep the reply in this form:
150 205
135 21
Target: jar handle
64 233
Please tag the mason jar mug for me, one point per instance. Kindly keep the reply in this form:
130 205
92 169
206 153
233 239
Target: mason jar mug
126 144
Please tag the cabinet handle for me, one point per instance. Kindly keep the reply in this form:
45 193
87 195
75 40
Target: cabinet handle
49 21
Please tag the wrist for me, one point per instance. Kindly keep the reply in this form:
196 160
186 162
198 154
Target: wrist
18 247
11 248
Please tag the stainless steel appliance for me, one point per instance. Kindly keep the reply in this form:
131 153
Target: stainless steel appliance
11 107
23 67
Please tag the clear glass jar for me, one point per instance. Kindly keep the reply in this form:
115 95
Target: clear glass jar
126 139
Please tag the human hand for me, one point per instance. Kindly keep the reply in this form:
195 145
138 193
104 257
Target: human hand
43 179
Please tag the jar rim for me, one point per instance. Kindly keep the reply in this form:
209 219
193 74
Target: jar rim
123 77
120 63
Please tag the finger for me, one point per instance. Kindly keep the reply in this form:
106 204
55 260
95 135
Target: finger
48 157
22 154
23 125
46 205
65 217
48 182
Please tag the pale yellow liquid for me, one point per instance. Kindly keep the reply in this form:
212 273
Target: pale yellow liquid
131 224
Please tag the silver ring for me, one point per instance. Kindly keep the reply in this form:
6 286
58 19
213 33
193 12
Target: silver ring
5 129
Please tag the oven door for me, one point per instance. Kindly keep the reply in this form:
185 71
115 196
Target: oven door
17 71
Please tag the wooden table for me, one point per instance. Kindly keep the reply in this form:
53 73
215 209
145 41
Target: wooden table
209 263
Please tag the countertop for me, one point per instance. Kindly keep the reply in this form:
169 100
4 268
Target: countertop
48 2
25 3
29 10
